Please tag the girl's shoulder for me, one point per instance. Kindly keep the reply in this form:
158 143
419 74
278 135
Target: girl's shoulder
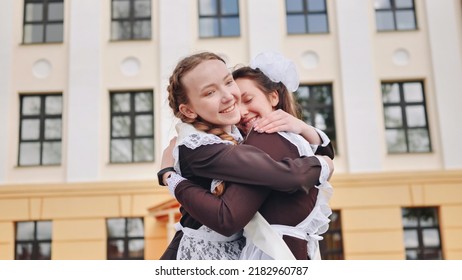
281 139
273 144
297 140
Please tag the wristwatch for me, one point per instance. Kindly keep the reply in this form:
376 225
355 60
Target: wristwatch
161 173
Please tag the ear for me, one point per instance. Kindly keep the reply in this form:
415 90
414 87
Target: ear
187 111
274 98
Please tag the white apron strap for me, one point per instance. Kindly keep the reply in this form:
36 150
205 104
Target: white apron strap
260 232
312 239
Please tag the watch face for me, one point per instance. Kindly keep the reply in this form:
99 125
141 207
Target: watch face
160 175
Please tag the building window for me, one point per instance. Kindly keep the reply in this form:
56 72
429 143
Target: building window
131 19
395 15
43 21
125 239
405 113
219 18
132 127
421 233
317 108
40 130
33 240
306 16
331 246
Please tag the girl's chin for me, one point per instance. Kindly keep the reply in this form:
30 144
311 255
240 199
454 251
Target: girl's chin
236 119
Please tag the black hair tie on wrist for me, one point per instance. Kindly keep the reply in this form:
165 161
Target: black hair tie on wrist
161 173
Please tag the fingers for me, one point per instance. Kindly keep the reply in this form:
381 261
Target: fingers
167 156
263 122
330 162
167 159
275 126
171 144
172 141
272 122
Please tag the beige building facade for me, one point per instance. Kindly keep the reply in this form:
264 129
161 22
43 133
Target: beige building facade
89 186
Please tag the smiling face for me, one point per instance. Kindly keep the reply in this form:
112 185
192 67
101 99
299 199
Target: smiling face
212 93
254 103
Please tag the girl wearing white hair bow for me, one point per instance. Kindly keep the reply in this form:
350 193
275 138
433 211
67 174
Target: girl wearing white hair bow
266 92
288 210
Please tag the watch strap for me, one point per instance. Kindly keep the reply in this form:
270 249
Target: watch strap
161 173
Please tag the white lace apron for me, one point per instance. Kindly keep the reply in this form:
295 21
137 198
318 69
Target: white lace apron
204 243
315 224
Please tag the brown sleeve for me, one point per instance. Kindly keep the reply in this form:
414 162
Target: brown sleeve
249 165
269 144
225 215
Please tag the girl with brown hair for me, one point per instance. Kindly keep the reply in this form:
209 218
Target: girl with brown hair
203 94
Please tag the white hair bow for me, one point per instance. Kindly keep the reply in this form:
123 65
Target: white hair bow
278 68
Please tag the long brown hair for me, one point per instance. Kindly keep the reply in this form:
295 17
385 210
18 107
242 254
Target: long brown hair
286 100
177 95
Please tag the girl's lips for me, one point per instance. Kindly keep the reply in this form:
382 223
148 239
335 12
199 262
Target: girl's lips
229 109
248 123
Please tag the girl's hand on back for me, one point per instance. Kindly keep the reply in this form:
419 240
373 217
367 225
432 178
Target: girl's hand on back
278 121
330 162
167 156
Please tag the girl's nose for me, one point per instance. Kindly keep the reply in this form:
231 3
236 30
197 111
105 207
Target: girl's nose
227 96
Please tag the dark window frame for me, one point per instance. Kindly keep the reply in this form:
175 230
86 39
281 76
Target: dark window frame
421 249
131 19
44 22
35 242
219 16
41 117
126 240
313 106
393 9
132 115
329 251
403 104
306 13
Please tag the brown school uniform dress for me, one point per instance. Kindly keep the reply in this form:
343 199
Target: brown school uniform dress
265 174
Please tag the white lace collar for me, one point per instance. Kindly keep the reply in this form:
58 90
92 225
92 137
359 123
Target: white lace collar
304 148
193 138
